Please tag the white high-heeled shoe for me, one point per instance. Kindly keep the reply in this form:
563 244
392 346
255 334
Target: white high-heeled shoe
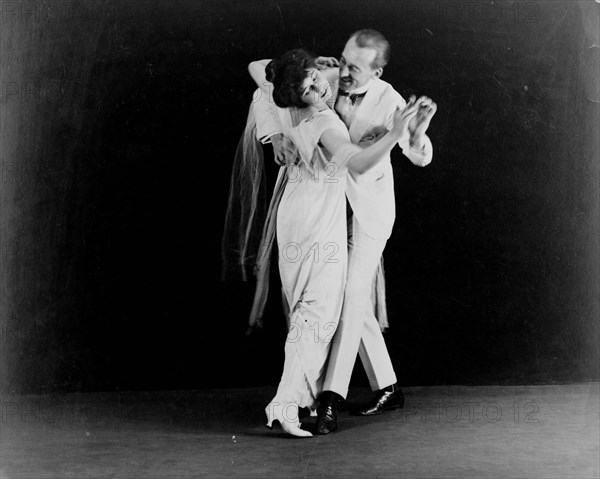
287 415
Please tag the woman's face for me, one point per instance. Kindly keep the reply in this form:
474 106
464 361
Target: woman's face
315 88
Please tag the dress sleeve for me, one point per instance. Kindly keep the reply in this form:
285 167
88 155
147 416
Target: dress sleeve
267 122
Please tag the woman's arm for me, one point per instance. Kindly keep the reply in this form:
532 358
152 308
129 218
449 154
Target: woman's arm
257 72
364 160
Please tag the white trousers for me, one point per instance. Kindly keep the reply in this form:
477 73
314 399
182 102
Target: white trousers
358 330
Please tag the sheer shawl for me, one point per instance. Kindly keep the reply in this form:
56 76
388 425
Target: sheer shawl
250 228
246 205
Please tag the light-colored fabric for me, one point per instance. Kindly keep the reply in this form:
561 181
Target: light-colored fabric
372 194
344 106
267 118
263 258
303 136
246 204
270 119
358 330
312 244
278 120
378 297
371 197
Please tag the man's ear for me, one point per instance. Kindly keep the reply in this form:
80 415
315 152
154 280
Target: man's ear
378 73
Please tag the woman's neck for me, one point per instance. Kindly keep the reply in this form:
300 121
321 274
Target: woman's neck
309 111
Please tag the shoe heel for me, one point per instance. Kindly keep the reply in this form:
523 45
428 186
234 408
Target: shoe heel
268 412
292 429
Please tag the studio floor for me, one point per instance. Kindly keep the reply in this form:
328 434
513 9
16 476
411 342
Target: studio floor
444 431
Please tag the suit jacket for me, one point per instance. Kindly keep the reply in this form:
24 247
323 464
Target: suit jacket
371 195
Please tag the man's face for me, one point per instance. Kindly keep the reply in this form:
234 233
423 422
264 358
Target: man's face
355 66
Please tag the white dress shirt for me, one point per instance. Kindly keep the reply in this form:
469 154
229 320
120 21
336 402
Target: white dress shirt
344 107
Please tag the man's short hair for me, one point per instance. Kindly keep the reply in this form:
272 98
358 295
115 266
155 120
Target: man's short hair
368 38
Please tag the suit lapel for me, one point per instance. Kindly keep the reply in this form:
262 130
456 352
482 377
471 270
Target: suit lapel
365 113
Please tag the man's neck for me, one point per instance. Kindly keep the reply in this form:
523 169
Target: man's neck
361 89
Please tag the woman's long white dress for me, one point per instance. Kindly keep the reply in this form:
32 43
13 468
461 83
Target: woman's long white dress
312 244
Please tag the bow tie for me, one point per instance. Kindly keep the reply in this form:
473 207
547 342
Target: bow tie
353 96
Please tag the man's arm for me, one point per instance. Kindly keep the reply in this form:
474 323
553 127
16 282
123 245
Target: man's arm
418 155
419 143
416 145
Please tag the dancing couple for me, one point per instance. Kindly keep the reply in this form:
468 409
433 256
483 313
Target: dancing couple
332 125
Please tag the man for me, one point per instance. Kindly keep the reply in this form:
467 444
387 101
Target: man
366 104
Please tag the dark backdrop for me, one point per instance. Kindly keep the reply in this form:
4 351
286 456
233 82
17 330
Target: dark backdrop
119 121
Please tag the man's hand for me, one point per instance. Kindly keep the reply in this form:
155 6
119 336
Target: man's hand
418 124
284 150
323 63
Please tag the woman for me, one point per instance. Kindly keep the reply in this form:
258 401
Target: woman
311 223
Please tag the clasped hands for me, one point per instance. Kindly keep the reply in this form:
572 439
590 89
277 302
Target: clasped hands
419 121
412 121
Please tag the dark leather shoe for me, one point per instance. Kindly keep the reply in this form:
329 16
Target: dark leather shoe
327 412
385 399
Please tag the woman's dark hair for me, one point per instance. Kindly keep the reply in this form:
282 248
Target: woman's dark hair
287 73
